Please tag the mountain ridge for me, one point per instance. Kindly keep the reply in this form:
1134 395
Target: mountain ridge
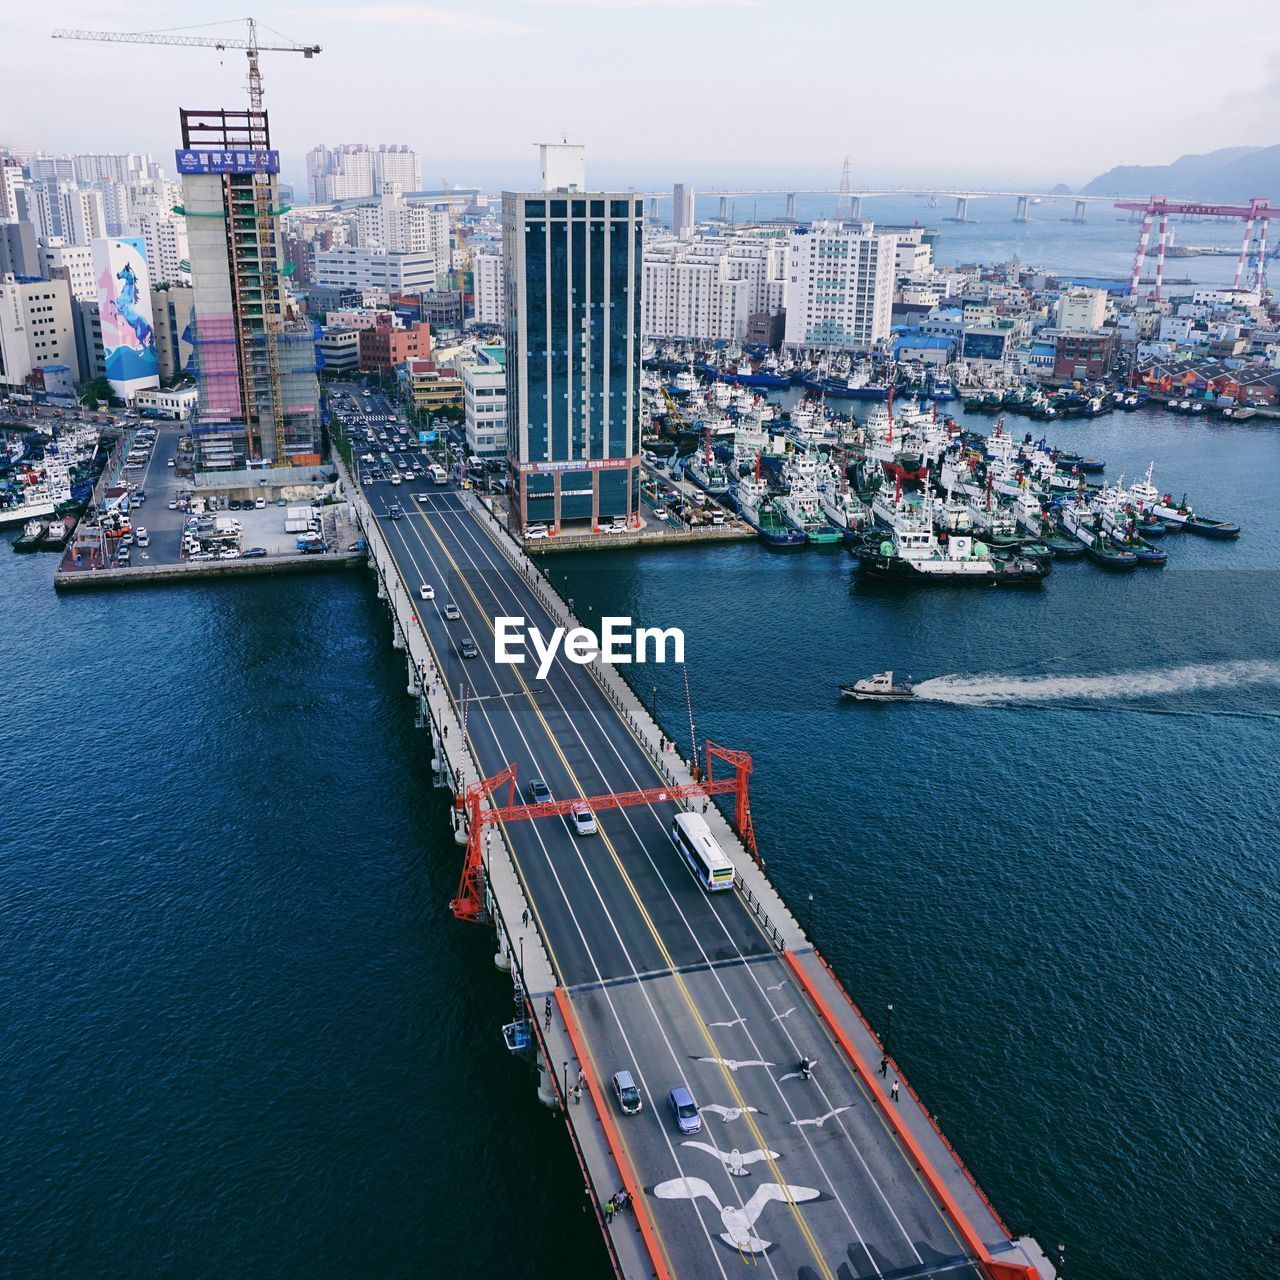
1234 174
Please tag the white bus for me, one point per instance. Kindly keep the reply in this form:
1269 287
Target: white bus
707 860
438 474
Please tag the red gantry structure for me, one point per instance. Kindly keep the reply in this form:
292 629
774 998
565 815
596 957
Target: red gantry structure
1255 216
470 902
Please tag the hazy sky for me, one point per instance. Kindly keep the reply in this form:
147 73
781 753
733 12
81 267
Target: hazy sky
735 90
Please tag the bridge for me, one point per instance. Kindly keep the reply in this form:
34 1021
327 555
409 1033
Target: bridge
852 199
619 959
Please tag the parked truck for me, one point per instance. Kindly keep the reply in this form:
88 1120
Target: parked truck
297 519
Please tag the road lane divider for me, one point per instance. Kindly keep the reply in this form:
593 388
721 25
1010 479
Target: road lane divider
648 1232
995 1269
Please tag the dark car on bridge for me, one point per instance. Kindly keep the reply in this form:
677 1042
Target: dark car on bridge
539 792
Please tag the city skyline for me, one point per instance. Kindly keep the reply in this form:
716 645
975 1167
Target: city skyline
663 113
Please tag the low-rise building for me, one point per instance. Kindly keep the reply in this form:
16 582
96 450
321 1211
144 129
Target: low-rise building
338 349
427 388
1083 356
177 403
383 346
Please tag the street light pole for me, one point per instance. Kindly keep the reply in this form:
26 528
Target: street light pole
653 705
889 1029
565 1095
808 923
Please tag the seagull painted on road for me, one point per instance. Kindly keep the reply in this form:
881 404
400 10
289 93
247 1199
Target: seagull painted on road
735 1161
737 1022
778 1017
725 1113
818 1120
735 1065
798 1075
738 1223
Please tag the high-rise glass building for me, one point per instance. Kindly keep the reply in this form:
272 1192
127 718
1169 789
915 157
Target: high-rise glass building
572 295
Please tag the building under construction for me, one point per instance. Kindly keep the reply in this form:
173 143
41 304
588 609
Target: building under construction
255 366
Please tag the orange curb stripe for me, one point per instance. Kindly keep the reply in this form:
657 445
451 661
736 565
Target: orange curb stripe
603 1110
995 1269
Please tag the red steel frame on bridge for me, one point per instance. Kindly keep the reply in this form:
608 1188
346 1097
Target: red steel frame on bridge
470 904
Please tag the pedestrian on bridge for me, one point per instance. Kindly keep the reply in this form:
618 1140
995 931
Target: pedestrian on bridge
610 1208
893 1093
884 1064
546 1013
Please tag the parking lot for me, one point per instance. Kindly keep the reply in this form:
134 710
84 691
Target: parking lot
167 521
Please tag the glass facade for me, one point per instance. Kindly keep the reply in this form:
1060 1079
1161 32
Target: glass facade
573 354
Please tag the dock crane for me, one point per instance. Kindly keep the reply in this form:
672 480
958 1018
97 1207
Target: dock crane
257 121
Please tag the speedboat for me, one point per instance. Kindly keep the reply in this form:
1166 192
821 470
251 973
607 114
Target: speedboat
879 688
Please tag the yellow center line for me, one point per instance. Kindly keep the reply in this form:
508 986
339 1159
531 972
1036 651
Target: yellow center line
729 1081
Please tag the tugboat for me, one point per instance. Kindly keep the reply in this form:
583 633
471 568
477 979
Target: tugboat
879 688
30 537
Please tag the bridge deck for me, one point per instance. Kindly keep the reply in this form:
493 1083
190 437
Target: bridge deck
677 985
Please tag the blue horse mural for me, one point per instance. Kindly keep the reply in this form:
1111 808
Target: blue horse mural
127 306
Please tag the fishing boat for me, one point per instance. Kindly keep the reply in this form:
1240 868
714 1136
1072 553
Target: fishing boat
685 383
706 472
1182 516
913 551
29 538
920 555
1082 524
802 505
878 688
763 512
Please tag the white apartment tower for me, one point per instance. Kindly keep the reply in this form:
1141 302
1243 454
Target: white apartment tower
36 329
488 275
839 285
72 263
168 254
355 170
399 227
708 289
682 211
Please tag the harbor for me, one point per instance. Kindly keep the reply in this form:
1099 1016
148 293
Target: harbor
362 936
712 708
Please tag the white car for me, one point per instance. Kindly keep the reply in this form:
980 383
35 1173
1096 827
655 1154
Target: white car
170 463
427 591
259 503
582 820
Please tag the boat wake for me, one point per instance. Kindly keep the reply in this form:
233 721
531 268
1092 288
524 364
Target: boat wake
993 690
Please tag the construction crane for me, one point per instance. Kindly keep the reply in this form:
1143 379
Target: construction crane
257 126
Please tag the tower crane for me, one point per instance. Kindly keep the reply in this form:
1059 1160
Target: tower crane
257 131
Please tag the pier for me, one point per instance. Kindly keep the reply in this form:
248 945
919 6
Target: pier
619 960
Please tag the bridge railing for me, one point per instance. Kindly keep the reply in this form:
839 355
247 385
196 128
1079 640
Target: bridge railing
620 693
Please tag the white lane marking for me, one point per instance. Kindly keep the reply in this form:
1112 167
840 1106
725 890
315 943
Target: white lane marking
622 1031
472 529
